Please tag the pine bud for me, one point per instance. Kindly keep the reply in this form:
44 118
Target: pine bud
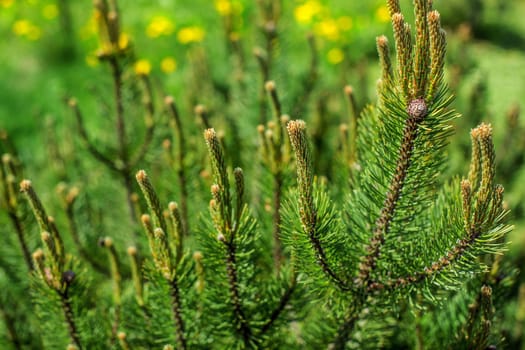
417 109
38 209
151 199
384 59
68 277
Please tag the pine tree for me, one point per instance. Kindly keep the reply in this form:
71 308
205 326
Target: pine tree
367 252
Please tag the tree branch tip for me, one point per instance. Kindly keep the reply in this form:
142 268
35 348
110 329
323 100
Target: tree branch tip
6 158
106 242
172 206
146 219
398 18
382 40
132 250
417 108
26 186
483 130
166 144
486 291
434 16
270 86
46 236
258 52
215 189
285 118
141 176
72 102
38 254
210 134
296 126
199 109
169 100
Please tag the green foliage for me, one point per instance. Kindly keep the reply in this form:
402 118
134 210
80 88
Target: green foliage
372 244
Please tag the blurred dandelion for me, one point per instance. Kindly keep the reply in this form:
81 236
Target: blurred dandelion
24 28
159 26
382 14
327 29
50 11
306 12
142 67
168 65
335 56
190 34
6 3
223 7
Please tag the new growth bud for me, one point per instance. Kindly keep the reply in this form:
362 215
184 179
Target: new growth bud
417 109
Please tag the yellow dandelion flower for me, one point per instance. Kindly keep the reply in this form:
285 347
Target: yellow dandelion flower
382 14
168 65
305 13
328 29
25 28
335 56
345 23
190 34
142 67
223 7
123 41
50 11
158 26
22 27
6 3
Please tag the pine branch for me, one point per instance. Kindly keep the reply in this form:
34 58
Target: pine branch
243 326
73 104
353 116
12 333
67 309
417 111
17 224
422 57
177 313
277 247
152 200
7 180
308 212
69 200
181 172
116 73
482 215
116 278
283 302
